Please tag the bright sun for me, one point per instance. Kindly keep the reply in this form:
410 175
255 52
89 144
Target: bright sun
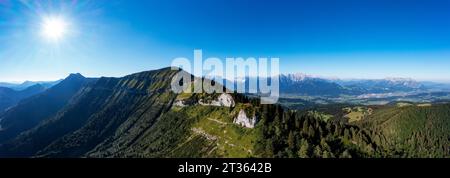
54 28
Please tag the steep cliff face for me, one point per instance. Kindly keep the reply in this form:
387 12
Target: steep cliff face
245 121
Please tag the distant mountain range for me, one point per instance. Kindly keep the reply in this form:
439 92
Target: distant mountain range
305 85
31 111
26 84
388 85
10 97
11 93
299 91
300 84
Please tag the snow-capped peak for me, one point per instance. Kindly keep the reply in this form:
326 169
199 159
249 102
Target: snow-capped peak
297 76
398 79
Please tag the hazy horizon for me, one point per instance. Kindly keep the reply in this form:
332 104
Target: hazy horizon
309 75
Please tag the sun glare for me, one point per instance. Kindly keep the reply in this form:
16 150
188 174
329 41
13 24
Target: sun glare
54 28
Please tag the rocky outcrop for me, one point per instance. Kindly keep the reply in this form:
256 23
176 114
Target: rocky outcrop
244 121
201 132
224 99
179 103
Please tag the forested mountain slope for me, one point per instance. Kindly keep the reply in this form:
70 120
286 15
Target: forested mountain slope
413 130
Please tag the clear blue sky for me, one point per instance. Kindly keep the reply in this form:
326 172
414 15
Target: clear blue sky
334 38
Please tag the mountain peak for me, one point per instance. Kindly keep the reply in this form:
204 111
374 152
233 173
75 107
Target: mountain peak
408 82
37 86
27 82
75 76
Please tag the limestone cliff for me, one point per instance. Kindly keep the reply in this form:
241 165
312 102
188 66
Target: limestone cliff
244 121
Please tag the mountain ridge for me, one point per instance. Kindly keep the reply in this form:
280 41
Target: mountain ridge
29 112
136 116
